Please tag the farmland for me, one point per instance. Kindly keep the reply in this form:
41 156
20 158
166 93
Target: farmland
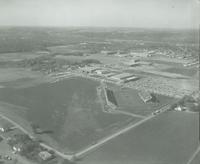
52 83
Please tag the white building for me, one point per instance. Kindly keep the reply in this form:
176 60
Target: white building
45 155
17 148
123 77
5 126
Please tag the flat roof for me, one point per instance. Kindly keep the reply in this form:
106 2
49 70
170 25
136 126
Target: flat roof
122 76
90 68
135 61
110 74
132 78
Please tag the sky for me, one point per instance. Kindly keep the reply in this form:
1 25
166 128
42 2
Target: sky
106 13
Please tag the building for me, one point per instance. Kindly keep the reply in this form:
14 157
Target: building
178 108
45 155
107 52
110 74
132 78
5 126
121 76
89 70
124 77
145 96
132 63
139 54
100 71
181 108
18 148
145 63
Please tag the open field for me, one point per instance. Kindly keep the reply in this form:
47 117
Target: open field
18 56
73 119
12 74
105 59
48 80
20 78
129 100
163 139
16 113
196 159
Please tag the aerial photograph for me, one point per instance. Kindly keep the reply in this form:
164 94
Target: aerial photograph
99 82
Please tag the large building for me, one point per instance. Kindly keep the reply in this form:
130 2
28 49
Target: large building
107 52
124 77
145 96
89 69
110 74
132 63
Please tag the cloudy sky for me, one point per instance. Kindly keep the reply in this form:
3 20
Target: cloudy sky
119 13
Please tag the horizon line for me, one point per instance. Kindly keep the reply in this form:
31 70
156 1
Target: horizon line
117 27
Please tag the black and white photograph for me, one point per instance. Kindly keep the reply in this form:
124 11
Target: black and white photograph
99 82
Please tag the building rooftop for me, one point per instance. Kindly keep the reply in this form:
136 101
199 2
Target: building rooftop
145 96
90 69
131 62
45 155
122 76
132 78
110 74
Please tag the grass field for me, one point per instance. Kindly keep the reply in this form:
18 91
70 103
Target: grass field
170 138
128 100
69 110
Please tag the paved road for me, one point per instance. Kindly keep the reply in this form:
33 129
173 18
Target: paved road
69 157
65 156
194 155
93 147
126 129
16 125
